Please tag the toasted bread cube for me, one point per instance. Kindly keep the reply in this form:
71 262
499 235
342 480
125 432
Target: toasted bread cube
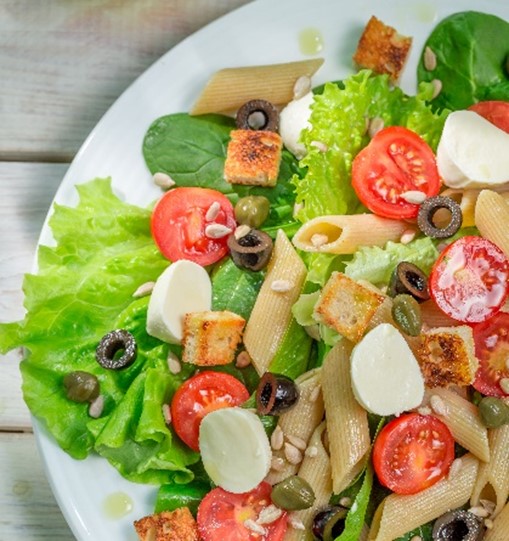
446 356
253 157
211 338
382 49
178 525
347 306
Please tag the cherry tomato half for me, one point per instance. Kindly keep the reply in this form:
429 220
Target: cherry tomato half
396 161
179 222
221 516
497 112
412 452
469 280
492 349
204 392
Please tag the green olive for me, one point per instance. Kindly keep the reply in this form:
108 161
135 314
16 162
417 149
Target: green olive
81 386
252 210
293 493
493 411
406 313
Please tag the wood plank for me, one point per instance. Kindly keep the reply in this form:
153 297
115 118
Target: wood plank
26 192
29 509
62 64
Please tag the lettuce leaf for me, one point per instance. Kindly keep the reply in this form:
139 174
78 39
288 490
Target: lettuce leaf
338 120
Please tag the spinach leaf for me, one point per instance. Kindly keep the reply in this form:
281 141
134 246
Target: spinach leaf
471 50
171 497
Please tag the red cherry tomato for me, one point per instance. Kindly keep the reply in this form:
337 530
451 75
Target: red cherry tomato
497 112
469 280
396 161
492 349
222 515
412 452
179 221
205 392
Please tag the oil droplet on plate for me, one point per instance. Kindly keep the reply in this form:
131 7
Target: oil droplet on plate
117 505
310 41
425 12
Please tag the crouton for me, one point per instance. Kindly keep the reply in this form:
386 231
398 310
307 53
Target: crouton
178 525
211 337
446 356
382 49
253 158
347 306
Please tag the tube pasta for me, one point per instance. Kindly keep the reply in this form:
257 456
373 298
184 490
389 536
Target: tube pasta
492 218
300 421
338 234
493 479
230 88
432 316
316 470
500 526
272 312
463 421
398 514
347 421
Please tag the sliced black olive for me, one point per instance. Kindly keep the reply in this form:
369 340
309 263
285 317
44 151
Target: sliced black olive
252 251
275 394
258 115
252 210
430 207
493 411
329 523
458 525
409 279
116 350
293 493
81 386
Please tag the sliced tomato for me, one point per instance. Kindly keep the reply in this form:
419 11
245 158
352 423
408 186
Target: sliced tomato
179 222
469 280
204 392
492 349
395 161
412 452
497 112
222 516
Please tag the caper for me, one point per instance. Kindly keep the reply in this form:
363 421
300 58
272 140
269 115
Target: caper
293 493
252 210
493 411
459 525
409 278
81 386
275 394
329 523
406 313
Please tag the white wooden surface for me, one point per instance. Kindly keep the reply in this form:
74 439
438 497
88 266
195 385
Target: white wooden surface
62 64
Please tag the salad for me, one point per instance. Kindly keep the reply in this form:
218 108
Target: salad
134 415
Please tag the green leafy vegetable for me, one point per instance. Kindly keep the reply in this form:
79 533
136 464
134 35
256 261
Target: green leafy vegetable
174 496
471 51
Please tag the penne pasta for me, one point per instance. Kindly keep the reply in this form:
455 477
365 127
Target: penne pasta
500 528
316 470
398 514
493 479
272 312
338 234
298 424
462 419
492 218
432 316
230 88
347 421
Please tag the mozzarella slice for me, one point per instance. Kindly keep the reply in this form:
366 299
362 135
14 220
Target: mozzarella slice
235 449
473 152
386 378
182 288
292 120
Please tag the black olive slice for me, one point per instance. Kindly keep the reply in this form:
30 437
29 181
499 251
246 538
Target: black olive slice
258 115
251 251
116 350
459 525
409 279
430 207
275 394
329 523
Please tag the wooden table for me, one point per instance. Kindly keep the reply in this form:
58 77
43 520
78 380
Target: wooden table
62 64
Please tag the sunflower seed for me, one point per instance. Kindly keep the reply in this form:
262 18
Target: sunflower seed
173 361
281 286
250 524
243 359
292 454
277 438
345 501
241 231
301 87
479 511
296 523
166 413
407 236
319 239
438 405
212 211
96 407
437 87
163 181
413 196
277 463
296 442
375 125
430 59
269 514
217 231
144 290
504 385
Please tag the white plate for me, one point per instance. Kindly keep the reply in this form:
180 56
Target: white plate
262 32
